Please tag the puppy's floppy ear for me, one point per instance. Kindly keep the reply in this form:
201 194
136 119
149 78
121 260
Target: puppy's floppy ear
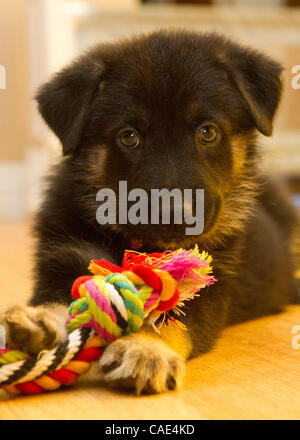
64 101
257 79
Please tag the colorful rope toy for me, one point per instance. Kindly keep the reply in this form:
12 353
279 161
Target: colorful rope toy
113 302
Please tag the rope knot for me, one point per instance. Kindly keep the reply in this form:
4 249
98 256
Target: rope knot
116 303
111 306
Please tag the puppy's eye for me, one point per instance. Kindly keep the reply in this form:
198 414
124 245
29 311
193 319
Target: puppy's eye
208 133
128 138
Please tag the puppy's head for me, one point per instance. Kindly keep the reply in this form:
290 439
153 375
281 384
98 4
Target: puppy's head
167 110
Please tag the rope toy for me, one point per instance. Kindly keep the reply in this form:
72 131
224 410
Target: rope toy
112 302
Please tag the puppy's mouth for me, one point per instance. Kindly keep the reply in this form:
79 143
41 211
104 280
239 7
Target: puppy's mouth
165 226
167 236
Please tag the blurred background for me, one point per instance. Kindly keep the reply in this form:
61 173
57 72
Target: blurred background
39 36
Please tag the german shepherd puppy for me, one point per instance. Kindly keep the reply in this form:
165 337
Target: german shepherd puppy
172 109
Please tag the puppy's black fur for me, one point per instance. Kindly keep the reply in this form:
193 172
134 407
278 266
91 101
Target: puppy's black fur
165 85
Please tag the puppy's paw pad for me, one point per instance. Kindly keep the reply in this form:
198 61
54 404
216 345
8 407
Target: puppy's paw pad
30 329
142 364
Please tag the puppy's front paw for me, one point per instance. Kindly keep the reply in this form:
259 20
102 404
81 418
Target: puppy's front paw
32 329
141 363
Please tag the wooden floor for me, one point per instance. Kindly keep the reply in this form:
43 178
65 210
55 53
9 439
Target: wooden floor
253 372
